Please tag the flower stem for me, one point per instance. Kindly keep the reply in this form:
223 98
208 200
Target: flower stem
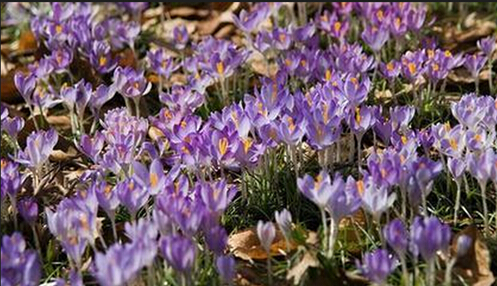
430 273
458 200
269 270
331 238
490 83
483 187
325 229
37 241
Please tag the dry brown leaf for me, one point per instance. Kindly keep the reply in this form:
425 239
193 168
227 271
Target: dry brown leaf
245 245
298 270
61 156
127 59
185 12
452 37
27 41
59 121
475 265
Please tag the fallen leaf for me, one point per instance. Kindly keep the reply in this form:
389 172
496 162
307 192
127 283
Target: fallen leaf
474 266
298 270
61 156
27 41
59 121
245 245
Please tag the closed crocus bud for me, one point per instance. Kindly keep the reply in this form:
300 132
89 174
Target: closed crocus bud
487 45
474 63
396 235
217 239
225 266
179 252
284 221
266 234
429 235
28 208
377 265
12 126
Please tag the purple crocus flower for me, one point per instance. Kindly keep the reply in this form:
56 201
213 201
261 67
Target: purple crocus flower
481 165
154 180
361 120
474 63
61 59
25 84
487 45
39 146
19 266
143 234
377 265
456 167
179 252
131 83
13 126
353 90
216 239
225 266
117 266
375 37
317 190
75 279
391 70
100 96
11 179
28 208
106 196
429 235
397 236
463 245
401 116
248 21
180 35
131 195
284 221
74 225
101 58
162 63
345 199
266 234
216 196
375 198
92 147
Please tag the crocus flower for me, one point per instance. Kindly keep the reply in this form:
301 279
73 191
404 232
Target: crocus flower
39 146
20 266
61 59
391 70
345 199
395 233
11 178
248 21
481 165
216 196
74 225
101 58
28 208
266 234
117 266
284 221
162 63
131 83
92 147
180 35
375 198
154 180
317 190
106 196
375 37
467 111
487 45
13 126
216 239
25 84
474 63
401 116
361 120
429 235
354 90
131 195
377 265
456 167
179 252
225 266
100 96
143 234
463 245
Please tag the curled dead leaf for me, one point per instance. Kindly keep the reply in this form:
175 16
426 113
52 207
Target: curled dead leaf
27 41
246 245
298 270
474 266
